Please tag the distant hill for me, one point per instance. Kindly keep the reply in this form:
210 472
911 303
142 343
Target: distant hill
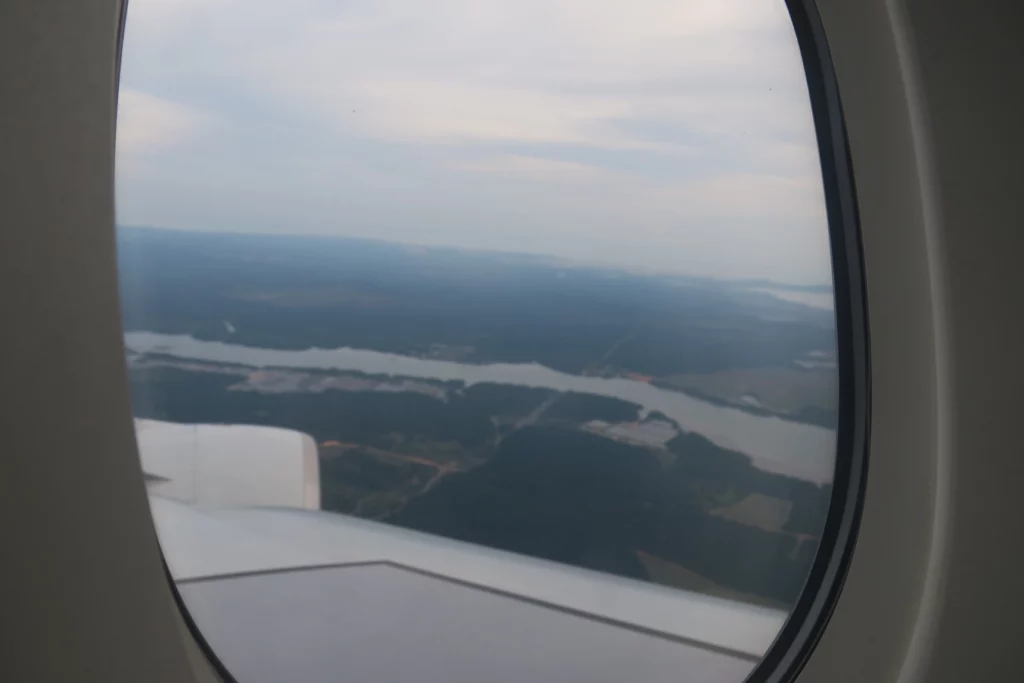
281 291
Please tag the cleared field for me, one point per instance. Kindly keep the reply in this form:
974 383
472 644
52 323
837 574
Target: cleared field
764 512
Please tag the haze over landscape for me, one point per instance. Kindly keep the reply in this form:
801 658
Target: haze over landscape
674 136
665 428
549 277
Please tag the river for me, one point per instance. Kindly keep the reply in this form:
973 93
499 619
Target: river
775 445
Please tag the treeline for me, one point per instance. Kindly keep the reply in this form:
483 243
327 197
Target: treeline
553 493
362 417
580 408
299 292
581 499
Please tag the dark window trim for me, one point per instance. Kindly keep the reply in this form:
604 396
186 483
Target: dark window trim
809 617
218 666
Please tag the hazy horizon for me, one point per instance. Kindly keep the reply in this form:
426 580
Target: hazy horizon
550 259
664 137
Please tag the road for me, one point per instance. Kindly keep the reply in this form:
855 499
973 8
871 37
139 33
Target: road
591 370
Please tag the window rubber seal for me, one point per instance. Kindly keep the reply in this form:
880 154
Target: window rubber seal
810 615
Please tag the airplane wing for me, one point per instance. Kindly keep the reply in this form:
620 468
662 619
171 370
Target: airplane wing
283 591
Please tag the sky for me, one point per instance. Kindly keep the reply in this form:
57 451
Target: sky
658 135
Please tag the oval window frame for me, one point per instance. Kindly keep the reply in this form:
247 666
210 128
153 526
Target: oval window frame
806 622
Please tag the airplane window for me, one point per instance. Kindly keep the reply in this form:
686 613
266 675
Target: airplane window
479 340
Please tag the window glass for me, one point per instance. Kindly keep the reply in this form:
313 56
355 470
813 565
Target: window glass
478 308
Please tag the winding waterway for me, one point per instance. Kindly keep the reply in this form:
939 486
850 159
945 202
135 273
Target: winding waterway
774 444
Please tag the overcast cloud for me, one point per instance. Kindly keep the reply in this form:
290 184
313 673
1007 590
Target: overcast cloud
663 134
